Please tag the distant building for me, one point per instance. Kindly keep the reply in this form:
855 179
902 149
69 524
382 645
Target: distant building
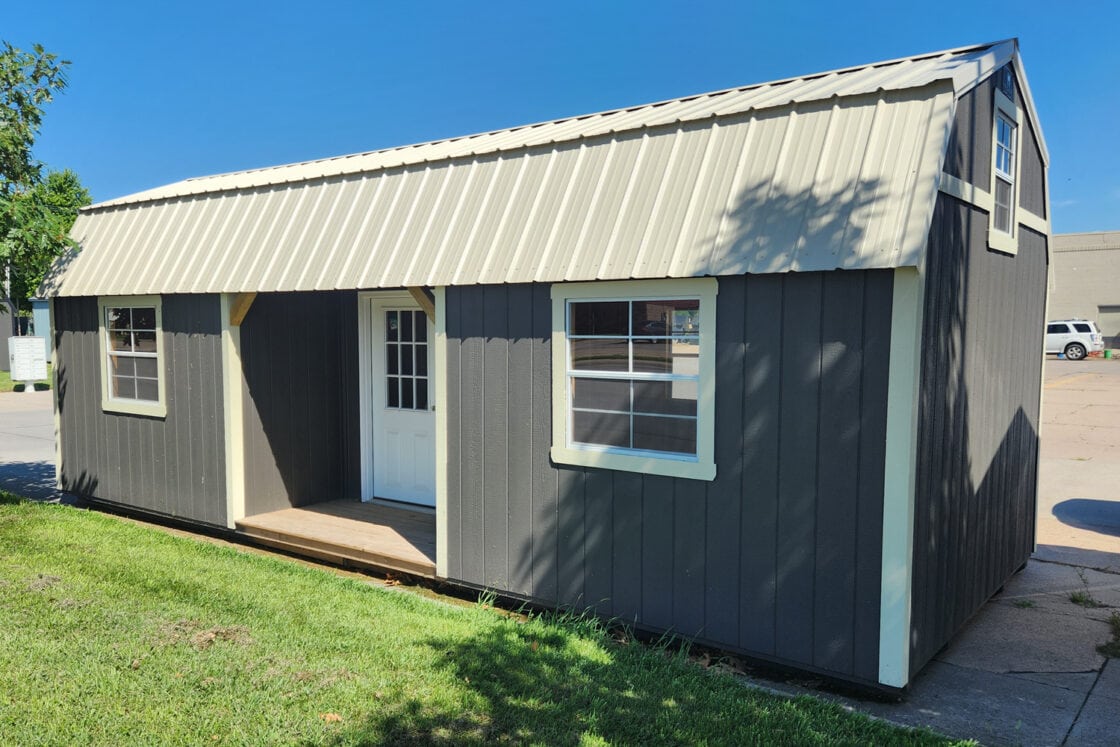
1085 280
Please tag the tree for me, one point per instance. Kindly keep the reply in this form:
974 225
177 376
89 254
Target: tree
39 222
28 82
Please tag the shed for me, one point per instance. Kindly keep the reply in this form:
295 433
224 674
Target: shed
761 367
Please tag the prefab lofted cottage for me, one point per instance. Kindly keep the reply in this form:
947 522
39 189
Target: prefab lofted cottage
761 366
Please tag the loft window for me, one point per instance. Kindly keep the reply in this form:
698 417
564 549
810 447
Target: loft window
1004 174
634 376
130 329
1002 217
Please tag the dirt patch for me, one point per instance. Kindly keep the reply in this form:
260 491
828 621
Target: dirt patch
200 637
43 582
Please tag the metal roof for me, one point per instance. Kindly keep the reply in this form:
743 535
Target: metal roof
836 170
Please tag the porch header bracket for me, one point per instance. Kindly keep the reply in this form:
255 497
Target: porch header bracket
425 299
240 307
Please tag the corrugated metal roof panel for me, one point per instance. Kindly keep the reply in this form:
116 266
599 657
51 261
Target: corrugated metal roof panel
836 170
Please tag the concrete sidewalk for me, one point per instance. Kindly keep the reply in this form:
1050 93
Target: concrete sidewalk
27 444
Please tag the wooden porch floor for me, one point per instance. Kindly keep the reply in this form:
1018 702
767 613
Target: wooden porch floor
350 531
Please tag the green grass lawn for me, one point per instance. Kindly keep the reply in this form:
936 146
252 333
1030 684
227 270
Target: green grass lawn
115 633
7 385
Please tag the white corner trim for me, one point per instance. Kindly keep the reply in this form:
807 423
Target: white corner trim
1034 222
233 414
441 431
966 192
899 478
703 467
54 399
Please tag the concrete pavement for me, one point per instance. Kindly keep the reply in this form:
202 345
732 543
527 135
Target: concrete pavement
1025 670
27 444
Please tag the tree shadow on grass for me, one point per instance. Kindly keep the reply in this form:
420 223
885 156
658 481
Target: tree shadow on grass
528 683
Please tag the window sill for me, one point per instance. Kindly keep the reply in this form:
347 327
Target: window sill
123 407
627 463
1002 242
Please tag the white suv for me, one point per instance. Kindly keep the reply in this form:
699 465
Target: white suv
1076 338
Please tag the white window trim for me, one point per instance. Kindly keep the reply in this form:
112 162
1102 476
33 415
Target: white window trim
131 406
700 467
999 240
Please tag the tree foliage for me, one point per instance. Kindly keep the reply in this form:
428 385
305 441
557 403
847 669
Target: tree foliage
38 222
28 82
35 213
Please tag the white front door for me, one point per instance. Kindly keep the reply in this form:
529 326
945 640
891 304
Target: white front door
401 389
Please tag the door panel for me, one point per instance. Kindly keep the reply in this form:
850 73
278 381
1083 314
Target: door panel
403 417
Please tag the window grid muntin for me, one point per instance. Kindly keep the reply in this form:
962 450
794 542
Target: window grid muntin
115 356
413 391
572 374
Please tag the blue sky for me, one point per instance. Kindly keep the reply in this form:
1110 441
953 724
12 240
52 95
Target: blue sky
163 91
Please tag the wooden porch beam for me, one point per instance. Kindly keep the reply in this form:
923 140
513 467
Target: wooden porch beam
240 307
425 299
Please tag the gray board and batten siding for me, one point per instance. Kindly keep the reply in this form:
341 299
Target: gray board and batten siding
977 473
969 153
778 557
172 466
299 353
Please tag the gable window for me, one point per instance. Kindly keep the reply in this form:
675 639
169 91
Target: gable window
633 376
1004 173
1006 118
132 381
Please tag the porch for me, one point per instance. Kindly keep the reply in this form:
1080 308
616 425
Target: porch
351 532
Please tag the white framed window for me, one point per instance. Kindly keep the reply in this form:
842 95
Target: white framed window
1003 219
634 376
130 329
1004 177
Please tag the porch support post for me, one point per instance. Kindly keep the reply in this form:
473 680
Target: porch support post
233 309
440 310
900 478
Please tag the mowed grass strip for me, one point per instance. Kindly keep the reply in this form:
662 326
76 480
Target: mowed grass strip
114 633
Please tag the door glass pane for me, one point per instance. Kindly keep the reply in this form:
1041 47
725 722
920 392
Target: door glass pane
406 394
421 394
392 391
420 326
421 360
391 332
406 359
406 326
391 358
